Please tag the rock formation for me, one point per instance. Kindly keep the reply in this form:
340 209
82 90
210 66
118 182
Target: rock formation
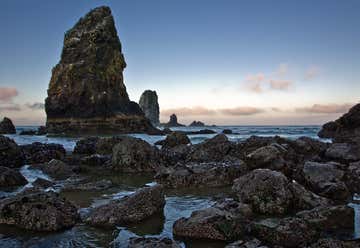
197 124
86 91
344 129
173 122
7 127
149 104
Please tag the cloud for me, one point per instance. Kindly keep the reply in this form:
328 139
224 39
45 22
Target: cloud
280 84
194 111
36 106
7 94
241 111
9 108
325 108
312 72
282 70
275 109
254 82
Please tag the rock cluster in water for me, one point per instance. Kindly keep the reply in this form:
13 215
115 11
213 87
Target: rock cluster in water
86 91
197 124
7 127
149 104
173 122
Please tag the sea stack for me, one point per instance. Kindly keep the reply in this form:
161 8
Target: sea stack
149 104
7 127
173 122
86 92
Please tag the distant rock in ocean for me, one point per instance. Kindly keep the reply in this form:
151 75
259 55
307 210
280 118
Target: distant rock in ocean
149 104
197 124
86 92
7 127
344 129
173 122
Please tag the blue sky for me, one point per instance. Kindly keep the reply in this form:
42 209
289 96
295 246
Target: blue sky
225 62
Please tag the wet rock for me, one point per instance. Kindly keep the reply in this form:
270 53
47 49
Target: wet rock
141 242
329 217
92 145
200 175
7 127
227 131
135 155
41 130
129 209
10 177
352 177
335 243
149 104
326 179
37 152
86 146
175 139
38 212
92 54
90 186
343 152
220 222
10 153
270 157
175 155
214 149
287 232
55 169
254 243
202 131
197 124
28 132
173 122
345 129
271 192
42 183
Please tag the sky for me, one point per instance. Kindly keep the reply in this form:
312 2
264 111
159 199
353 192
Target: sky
227 62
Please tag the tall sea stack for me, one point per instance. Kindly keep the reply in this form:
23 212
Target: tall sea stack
149 104
86 92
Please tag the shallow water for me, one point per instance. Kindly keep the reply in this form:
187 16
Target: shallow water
179 203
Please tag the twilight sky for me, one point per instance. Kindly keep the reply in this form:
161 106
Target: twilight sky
223 62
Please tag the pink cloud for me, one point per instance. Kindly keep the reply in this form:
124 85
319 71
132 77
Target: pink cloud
254 82
312 72
9 108
241 111
7 94
280 84
325 108
193 111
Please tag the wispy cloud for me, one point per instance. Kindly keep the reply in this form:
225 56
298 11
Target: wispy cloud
282 70
241 111
36 106
312 72
325 108
254 82
7 94
280 84
202 111
10 108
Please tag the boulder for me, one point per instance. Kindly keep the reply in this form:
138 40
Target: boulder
86 92
55 169
135 155
254 243
96 145
28 132
37 152
352 177
175 139
197 124
212 150
345 129
344 152
129 209
41 130
173 122
10 153
140 242
86 145
214 174
38 212
326 179
329 218
227 131
96 160
221 222
7 127
10 177
335 243
286 232
149 104
271 192
89 186
270 156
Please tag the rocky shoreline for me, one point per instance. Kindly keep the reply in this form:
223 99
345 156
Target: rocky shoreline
284 193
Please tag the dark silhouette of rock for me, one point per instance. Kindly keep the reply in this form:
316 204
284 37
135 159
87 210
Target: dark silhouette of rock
41 153
38 211
42 183
149 104
28 132
7 127
344 129
227 131
10 177
86 91
10 153
175 139
173 122
141 242
197 124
